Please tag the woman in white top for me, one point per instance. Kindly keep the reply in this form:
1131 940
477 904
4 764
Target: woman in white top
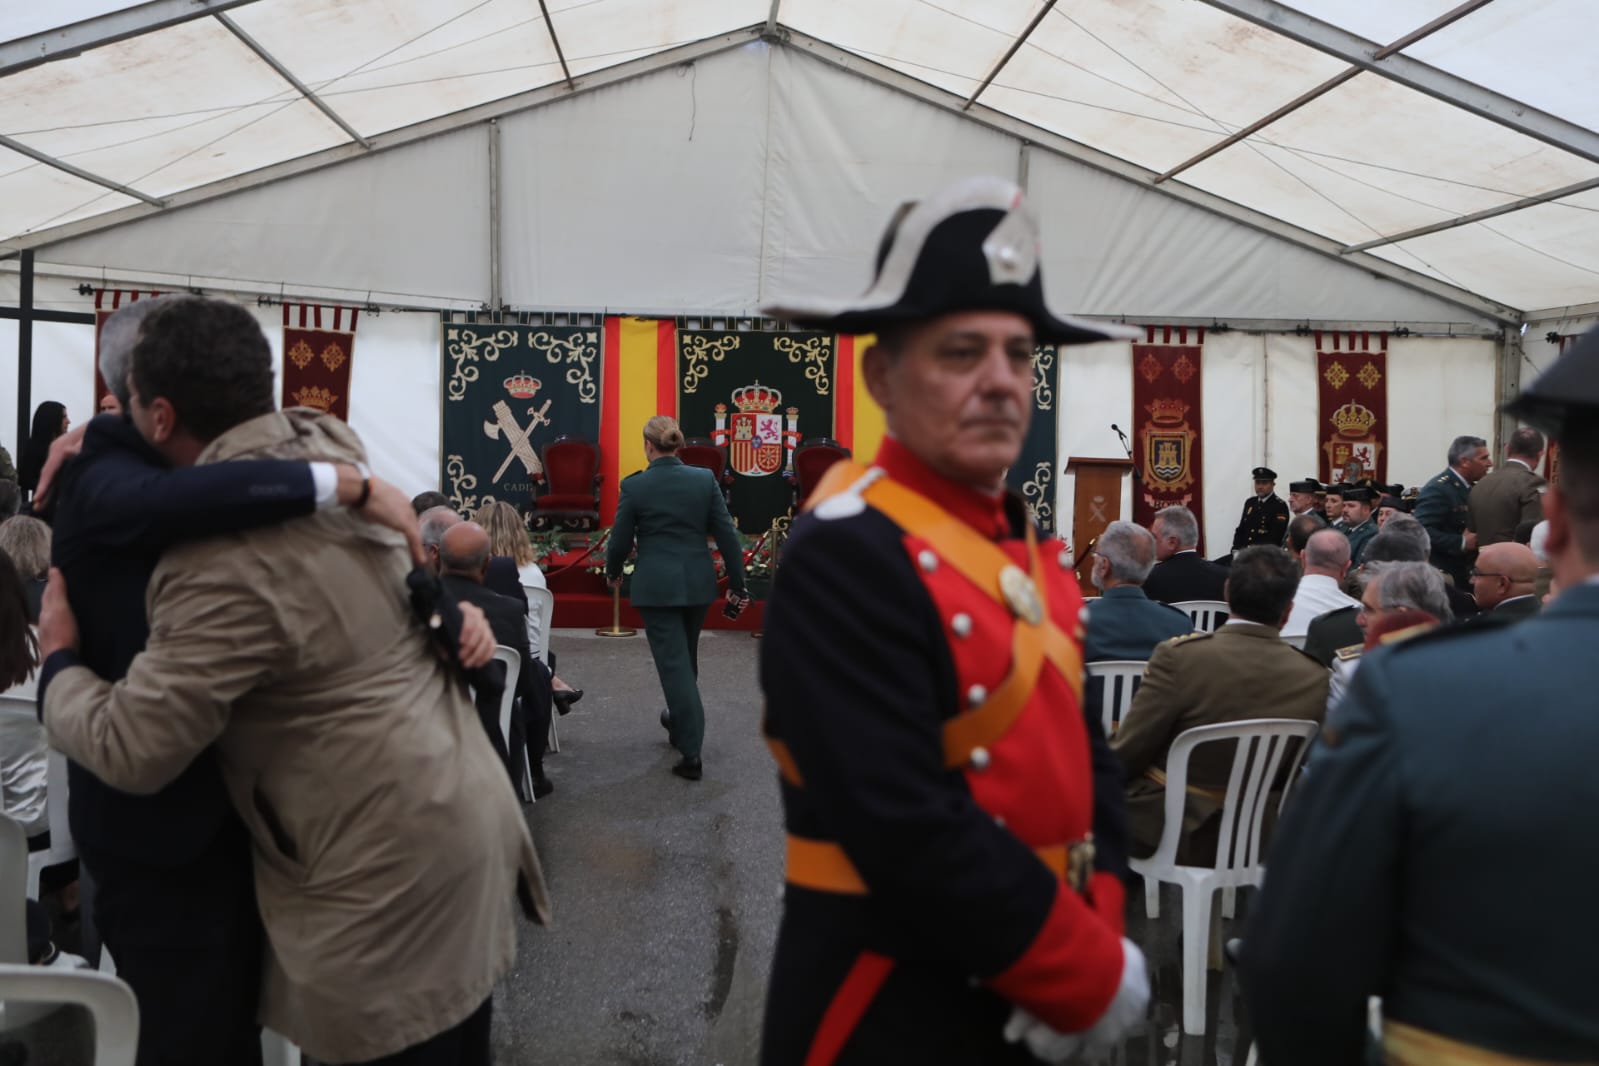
508 537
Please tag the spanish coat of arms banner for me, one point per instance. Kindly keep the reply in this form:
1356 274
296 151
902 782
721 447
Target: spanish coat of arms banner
758 395
318 347
1352 394
105 302
509 390
1034 472
1168 432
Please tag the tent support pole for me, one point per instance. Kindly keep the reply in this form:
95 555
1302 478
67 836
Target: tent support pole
24 349
1507 385
494 215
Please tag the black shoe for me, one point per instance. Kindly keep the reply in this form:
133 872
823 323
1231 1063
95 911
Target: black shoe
564 699
691 769
666 719
542 786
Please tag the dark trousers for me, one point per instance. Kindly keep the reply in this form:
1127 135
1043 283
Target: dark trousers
466 1044
188 939
674 636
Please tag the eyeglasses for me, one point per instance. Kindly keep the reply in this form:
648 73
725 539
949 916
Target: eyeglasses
1483 573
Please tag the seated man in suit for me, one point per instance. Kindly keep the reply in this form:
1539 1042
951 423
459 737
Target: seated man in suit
463 564
1124 623
1241 671
1181 574
1503 581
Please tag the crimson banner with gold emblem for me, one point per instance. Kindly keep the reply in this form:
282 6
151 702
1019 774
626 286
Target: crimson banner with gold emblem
105 302
1167 427
318 345
1352 390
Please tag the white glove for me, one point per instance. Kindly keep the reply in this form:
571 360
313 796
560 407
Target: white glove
1125 1013
1045 1043
1127 1010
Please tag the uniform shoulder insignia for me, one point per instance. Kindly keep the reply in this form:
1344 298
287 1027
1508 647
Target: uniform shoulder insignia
1186 637
1348 652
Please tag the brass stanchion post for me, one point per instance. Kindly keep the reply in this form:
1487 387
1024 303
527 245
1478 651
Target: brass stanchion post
616 629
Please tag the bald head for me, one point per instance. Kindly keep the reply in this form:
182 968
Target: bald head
1503 572
1327 554
464 550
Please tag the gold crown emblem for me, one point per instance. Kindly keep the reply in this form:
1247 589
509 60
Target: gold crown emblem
315 396
1353 421
522 386
1166 411
757 397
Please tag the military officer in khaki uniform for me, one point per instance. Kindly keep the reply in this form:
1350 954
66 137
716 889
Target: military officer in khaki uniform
1510 496
1265 518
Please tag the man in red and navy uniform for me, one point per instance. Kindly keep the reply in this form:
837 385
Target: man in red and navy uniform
955 835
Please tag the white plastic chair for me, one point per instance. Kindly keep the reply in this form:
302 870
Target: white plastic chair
545 599
513 673
1205 613
1296 642
1256 765
21 701
1122 678
278 1050
109 1001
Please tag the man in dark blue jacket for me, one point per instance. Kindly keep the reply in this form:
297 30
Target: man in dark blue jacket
174 899
1124 623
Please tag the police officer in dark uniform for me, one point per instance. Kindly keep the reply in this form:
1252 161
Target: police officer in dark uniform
956 843
1442 511
1265 518
1359 521
1438 853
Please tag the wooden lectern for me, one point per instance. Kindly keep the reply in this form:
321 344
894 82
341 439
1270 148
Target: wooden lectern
1096 503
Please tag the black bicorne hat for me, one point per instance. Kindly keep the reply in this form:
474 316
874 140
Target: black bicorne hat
971 247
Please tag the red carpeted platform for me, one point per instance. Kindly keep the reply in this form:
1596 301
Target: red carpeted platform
583 602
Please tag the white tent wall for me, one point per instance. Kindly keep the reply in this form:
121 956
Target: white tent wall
406 226
845 152
712 187
394 380
1114 248
645 196
1259 405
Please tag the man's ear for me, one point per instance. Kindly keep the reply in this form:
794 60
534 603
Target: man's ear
875 367
163 420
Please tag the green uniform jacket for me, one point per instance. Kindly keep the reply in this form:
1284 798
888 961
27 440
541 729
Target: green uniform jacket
1359 536
669 509
1441 509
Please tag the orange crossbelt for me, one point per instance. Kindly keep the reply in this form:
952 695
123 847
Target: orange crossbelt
822 866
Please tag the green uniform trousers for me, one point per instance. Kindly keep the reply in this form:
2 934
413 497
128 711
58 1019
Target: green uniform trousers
674 636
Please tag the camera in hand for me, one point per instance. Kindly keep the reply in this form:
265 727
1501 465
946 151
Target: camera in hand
734 608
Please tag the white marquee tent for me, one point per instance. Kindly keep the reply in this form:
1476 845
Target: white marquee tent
1421 167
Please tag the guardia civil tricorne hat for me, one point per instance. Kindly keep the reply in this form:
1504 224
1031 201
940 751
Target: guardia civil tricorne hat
1566 396
973 246
1310 484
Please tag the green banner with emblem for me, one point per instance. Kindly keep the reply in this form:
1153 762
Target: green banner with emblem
759 395
510 389
1037 471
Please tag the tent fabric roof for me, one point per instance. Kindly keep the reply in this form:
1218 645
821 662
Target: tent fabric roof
1464 155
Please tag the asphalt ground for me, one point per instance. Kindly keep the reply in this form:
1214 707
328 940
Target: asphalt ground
667 893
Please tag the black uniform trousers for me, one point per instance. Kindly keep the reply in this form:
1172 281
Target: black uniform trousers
466 1044
187 937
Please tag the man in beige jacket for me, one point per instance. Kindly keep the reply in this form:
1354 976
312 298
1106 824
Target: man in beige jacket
387 841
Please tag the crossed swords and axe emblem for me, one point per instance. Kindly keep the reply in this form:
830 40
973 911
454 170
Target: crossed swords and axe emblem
518 436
